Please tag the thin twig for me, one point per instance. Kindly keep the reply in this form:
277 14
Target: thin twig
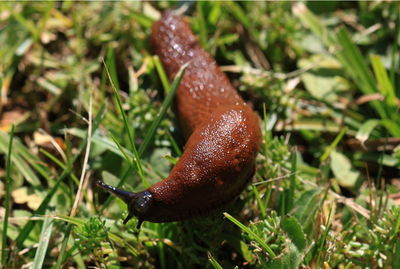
79 116
54 143
264 73
274 179
142 69
85 161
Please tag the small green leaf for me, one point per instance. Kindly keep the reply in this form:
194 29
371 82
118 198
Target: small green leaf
325 79
215 13
275 264
246 252
341 168
306 206
294 231
43 244
365 130
292 259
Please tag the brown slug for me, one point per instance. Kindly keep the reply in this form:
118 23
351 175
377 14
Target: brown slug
222 132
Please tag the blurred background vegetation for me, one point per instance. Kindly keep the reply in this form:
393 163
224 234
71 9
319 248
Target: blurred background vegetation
323 76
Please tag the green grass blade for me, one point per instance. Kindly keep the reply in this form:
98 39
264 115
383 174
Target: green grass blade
392 126
369 126
268 195
259 202
294 231
42 208
165 105
395 49
332 146
59 163
292 179
174 145
71 220
213 261
384 83
111 68
7 201
63 166
43 244
122 150
18 160
141 18
63 249
236 10
161 73
316 26
251 234
353 61
101 141
366 129
28 24
161 247
396 256
23 159
202 24
324 236
32 160
118 102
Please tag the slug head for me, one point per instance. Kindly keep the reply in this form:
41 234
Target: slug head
139 204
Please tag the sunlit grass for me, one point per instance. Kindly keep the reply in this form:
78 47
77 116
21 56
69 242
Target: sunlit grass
325 83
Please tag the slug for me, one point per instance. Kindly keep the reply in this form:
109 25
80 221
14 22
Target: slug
222 132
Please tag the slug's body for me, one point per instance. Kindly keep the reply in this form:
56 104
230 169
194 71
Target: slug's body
223 133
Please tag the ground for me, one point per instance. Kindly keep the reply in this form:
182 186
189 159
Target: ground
323 77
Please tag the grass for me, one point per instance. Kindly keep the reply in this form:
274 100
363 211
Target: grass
324 79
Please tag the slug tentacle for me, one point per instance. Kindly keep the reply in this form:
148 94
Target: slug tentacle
139 204
125 196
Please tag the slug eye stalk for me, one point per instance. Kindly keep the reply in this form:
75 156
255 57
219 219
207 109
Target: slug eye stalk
138 203
125 196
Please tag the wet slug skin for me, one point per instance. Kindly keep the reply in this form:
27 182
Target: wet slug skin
222 132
